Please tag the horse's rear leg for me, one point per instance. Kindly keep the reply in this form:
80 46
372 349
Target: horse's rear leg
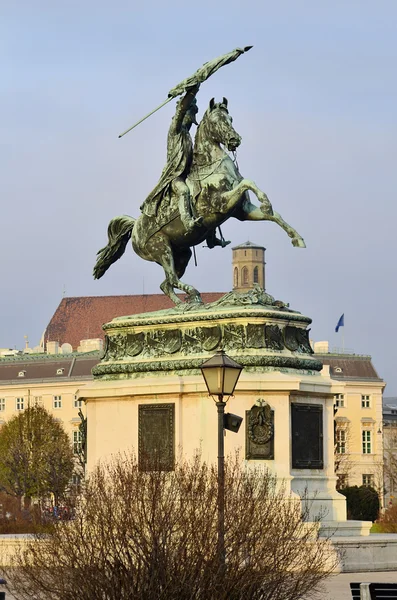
161 252
181 260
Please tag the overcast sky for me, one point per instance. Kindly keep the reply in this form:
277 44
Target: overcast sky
314 101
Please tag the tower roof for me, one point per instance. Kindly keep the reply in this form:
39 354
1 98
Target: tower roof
250 245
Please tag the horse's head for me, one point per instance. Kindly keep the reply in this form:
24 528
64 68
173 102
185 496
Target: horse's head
218 125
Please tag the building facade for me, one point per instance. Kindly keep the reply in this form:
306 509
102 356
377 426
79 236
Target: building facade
47 380
357 390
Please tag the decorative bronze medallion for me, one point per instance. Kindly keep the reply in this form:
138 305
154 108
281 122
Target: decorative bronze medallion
116 346
134 345
260 425
302 335
210 337
290 339
172 340
273 337
260 432
255 336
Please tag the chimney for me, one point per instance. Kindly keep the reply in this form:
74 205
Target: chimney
52 347
321 347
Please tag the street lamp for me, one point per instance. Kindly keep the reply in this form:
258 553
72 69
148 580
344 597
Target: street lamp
221 374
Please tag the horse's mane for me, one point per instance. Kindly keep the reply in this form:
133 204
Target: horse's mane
203 125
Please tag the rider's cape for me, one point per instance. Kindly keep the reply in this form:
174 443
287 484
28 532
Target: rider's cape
179 158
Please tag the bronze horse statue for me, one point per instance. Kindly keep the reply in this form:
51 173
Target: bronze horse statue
218 192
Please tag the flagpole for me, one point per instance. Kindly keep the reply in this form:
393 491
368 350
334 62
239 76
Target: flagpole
147 116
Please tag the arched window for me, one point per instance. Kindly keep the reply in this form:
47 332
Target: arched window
256 275
235 277
244 276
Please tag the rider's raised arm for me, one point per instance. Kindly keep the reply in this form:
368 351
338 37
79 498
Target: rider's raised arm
182 107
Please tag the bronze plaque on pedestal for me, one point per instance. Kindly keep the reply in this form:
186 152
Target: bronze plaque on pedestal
259 438
307 436
156 437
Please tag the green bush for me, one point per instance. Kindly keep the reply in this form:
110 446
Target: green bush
362 503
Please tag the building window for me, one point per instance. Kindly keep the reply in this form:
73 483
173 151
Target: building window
368 480
235 277
366 439
365 402
20 403
57 402
77 442
76 479
244 276
342 482
38 400
256 275
341 441
339 400
76 483
77 403
2 404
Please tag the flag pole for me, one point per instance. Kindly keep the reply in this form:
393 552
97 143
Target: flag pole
147 116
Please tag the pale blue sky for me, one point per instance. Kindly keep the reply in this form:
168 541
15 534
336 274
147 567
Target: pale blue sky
314 100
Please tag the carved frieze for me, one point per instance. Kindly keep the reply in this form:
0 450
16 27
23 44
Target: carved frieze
134 343
127 351
273 337
296 339
116 346
255 336
234 337
210 337
302 335
290 339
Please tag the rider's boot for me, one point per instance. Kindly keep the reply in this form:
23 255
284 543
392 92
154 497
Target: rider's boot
185 210
213 241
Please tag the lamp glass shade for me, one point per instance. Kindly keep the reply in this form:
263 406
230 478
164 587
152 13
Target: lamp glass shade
221 374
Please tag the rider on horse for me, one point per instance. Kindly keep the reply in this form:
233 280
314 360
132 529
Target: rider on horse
179 160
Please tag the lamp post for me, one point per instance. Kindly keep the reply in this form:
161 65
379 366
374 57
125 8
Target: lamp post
221 374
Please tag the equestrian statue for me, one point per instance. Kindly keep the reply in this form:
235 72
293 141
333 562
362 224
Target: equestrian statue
199 189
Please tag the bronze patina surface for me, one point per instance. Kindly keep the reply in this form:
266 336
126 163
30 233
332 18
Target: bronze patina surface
199 189
257 331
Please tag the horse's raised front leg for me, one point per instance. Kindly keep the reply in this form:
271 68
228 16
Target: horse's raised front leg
231 198
250 212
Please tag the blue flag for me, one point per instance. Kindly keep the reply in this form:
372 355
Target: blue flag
341 323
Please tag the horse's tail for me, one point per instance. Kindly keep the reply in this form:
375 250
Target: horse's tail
119 232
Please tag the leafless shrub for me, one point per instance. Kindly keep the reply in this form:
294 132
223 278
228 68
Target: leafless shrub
153 536
388 522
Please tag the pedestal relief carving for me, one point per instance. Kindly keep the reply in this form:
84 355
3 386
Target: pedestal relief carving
256 334
259 437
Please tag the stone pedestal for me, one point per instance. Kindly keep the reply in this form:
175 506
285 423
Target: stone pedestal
148 393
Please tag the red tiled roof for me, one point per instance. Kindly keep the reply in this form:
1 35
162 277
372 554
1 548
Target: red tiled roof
82 318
